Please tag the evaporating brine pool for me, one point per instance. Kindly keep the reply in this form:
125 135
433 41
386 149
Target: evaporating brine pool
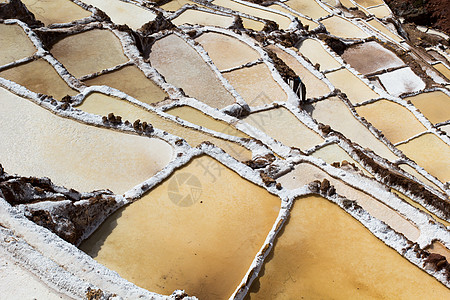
222 151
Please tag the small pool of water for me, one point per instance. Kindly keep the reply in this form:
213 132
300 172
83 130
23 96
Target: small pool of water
51 11
434 105
14 44
314 51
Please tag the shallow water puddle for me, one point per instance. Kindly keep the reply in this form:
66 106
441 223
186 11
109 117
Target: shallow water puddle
196 116
191 232
323 253
343 28
193 16
314 51
225 51
417 205
335 113
51 11
306 173
40 77
256 85
401 81
281 20
72 154
434 105
132 81
443 69
102 105
124 13
333 153
309 8
183 67
382 113
438 248
355 89
382 28
314 86
380 11
431 153
14 44
380 57
89 52
283 126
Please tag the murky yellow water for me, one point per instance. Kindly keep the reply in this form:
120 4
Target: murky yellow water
377 25
333 153
335 113
89 52
443 69
314 51
124 13
343 28
192 232
355 88
431 153
192 16
51 11
308 8
195 116
416 174
304 21
132 81
14 44
225 51
306 173
437 247
382 115
256 85
417 205
40 77
380 11
323 253
380 58
434 105
73 154
102 105
183 67
314 86
282 125
281 20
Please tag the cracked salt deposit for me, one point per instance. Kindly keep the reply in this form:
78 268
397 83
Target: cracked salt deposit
240 141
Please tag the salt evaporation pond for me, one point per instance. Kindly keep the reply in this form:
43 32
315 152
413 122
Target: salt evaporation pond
14 44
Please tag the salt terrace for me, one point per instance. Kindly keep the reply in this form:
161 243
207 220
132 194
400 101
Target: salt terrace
222 149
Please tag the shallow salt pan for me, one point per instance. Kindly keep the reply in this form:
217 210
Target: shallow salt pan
355 89
401 81
303 20
124 13
14 44
192 16
380 11
52 11
434 105
314 51
192 232
369 3
183 67
323 253
256 85
382 28
335 113
395 121
431 153
132 81
102 105
89 52
225 51
72 154
308 8
314 86
283 126
306 173
443 69
343 28
380 58
417 175
40 77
